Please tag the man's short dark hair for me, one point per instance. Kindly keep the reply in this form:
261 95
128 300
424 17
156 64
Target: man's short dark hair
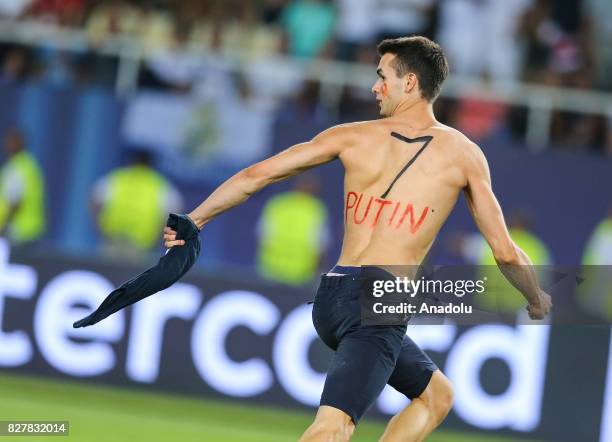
420 56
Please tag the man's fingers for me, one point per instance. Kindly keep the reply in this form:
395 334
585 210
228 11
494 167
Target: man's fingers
170 238
535 314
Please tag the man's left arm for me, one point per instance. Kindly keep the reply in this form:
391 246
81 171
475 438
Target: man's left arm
324 148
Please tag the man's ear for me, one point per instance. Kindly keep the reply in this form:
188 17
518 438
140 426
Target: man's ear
411 82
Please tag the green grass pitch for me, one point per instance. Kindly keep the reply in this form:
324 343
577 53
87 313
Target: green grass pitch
98 413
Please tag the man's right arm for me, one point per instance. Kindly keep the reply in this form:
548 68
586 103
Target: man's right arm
512 261
323 148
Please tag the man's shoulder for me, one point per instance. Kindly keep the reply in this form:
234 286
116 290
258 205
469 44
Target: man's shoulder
349 134
461 145
452 136
354 127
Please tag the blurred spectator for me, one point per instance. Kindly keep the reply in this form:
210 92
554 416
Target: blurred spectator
578 131
175 67
355 29
309 26
480 37
14 66
131 205
245 36
232 27
68 13
157 29
272 11
479 119
401 18
358 103
293 234
111 19
22 192
553 47
598 15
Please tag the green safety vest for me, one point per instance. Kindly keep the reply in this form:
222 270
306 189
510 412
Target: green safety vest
499 294
133 210
28 224
594 294
289 249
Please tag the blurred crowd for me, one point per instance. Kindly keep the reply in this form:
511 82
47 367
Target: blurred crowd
552 42
556 43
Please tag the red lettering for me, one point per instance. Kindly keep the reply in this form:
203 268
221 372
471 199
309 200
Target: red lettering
353 201
365 214
394 212
413 227
382 203
348 204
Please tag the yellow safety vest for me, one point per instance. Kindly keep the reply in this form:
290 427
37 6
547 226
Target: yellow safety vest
134 210
28 224
290 246
500 295
594 294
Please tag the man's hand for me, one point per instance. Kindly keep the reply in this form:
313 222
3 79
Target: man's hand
542 308
170 238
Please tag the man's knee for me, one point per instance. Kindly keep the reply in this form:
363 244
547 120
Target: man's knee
438 396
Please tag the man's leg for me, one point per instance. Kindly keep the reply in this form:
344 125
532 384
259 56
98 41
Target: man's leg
358 371
330 425
424 413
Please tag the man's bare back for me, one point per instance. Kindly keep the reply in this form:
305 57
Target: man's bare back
391 215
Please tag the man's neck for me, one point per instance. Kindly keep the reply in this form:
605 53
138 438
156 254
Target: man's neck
417 114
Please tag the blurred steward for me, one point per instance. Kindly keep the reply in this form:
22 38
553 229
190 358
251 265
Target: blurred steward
500 296
22 192
595 292
131 205
293 233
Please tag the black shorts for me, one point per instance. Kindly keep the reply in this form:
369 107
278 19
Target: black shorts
366 358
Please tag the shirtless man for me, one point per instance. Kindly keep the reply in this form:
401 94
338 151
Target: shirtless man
403 175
